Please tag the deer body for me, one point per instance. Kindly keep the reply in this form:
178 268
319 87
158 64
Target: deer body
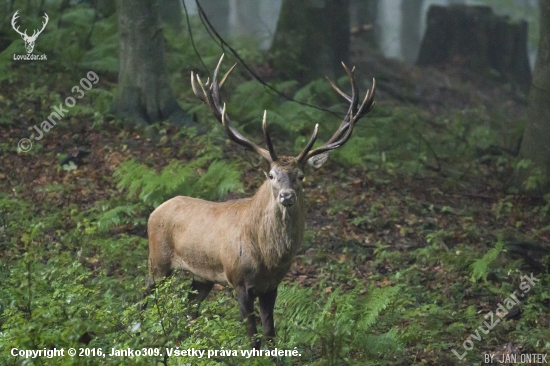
251 240
248 243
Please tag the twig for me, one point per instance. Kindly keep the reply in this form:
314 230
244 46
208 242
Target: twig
192 39
438 169
29 287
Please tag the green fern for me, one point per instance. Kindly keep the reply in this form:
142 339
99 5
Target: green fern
340 325
118 216
220 179
178 179
377 300
480 267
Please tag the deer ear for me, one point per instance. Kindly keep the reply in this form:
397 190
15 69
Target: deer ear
317 161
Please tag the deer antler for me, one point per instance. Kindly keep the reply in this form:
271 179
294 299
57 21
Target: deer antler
343 132
210 94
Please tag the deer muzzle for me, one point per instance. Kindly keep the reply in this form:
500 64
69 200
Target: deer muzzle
287 197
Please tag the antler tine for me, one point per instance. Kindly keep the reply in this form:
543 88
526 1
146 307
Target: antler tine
211 96
199 94
368 102
268 139
344 131
330 146
240 139
216 71
353 100
338 89
301 158
354 95
216 86
215 104
227 74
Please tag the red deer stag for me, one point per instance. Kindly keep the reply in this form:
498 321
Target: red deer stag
246 243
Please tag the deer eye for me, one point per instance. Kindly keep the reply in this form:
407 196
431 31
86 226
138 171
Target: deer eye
270 176
301 177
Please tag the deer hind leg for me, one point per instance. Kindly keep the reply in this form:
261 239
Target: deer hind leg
203 288
246 297
159 268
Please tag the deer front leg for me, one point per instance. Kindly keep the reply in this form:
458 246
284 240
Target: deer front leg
203 288
267 303
246 299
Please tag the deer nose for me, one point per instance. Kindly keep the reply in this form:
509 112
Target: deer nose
287 198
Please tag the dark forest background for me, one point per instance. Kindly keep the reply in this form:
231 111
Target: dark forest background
421 225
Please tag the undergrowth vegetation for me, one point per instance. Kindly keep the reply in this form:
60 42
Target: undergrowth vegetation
412 235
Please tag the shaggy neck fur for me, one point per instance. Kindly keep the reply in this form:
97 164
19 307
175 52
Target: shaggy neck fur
277 231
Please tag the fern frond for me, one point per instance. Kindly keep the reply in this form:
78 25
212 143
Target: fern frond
480 267
116 216
176 178
377 300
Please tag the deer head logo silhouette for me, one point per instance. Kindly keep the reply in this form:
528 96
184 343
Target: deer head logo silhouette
29 40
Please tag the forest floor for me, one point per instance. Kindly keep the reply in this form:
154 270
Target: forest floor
375 225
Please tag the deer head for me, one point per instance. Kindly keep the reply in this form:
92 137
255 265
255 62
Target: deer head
29 40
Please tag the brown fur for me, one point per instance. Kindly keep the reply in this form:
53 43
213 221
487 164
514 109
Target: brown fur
227 242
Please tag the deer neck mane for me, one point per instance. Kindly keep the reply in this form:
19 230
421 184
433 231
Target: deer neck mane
277 231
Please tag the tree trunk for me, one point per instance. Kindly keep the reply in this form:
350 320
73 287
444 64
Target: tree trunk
535 145
411 14
475 38
144 94
362 22
312 38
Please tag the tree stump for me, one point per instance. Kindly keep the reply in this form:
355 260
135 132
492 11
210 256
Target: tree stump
476 38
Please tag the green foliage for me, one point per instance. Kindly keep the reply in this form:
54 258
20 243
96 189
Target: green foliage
204 177
119 215
480 267
73 250
535 178
339 327
178 179
528 329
